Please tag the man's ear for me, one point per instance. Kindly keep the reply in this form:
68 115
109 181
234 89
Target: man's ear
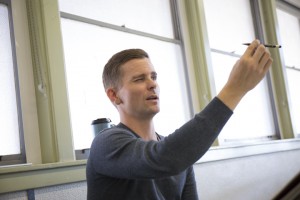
112 95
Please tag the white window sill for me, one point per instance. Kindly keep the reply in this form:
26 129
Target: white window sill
238 151
29 176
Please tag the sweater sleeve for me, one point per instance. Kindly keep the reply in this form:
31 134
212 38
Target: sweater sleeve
119 153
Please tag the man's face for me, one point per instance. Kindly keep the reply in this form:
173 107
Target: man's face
139 91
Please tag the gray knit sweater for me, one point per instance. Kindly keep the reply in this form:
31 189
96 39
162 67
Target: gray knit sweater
122 166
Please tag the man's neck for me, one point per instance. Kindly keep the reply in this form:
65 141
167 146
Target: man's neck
144 128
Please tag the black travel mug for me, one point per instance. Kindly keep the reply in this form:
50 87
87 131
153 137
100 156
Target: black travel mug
100 124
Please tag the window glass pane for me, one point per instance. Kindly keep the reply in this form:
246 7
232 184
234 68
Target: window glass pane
252 118
289 27
293 83
9 128
87 49
148 16
229 24
290 37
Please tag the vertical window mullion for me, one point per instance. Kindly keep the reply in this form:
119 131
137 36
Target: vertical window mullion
52 102
258 27
270 29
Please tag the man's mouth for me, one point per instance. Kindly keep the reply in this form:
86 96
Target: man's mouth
152 97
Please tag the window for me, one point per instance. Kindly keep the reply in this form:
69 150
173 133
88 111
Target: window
289 28
11 132
91 37
227 31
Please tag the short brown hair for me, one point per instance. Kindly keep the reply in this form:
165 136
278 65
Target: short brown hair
111 75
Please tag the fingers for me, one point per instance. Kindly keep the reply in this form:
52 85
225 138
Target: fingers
259 52
260 55
268 64
265 61
252 48
263 58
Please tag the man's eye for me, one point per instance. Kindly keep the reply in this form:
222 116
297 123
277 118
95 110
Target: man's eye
138 79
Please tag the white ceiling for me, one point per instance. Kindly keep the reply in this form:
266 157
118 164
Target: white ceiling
294 2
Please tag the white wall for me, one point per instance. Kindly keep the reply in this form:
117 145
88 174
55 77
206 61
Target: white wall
73 191
254 177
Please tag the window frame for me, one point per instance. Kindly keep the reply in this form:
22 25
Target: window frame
84 153
268 31
284 5
281 101
255 9
292 10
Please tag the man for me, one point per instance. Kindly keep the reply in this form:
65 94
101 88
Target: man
131 161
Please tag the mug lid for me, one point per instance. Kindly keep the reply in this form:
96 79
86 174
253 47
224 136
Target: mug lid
101 120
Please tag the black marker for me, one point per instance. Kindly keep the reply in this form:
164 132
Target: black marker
267 45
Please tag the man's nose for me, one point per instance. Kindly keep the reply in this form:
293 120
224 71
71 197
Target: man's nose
152 84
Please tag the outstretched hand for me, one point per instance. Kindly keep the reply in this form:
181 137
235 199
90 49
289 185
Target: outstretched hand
248 71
